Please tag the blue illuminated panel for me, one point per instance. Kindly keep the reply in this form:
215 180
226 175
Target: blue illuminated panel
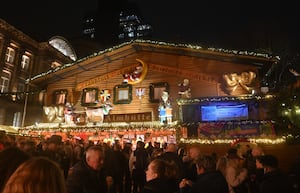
224 112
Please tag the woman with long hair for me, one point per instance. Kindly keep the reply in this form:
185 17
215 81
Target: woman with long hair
36 175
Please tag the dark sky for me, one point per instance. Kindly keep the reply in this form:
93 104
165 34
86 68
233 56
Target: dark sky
194 21
46 18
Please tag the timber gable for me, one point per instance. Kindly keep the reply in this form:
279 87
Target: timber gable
166 64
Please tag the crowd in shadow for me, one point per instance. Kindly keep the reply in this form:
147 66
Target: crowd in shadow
28 165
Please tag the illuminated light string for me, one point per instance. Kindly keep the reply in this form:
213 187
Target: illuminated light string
278 140
225 98
195 47
147 127
244 122
19 93
179 101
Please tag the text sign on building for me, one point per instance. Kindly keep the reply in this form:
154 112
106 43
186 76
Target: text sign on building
133 117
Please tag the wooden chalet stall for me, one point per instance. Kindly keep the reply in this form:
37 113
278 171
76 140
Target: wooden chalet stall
119 93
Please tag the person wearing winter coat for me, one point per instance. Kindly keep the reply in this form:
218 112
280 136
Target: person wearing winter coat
273 180
88 175
209 180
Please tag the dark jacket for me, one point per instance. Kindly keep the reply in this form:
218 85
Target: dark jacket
274 182
176 162
160 185
83 179
210 182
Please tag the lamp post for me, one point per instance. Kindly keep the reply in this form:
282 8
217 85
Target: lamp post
26 97
25 104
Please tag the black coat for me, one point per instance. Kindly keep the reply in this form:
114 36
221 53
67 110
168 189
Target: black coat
274 182
210 182
83 179
160 185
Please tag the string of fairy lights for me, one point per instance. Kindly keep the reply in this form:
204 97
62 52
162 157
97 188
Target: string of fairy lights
195 47
19 93
145 127
139 127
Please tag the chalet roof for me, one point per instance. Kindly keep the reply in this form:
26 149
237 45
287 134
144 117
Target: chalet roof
135 46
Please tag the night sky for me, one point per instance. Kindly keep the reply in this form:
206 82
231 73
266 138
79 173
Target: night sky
216 23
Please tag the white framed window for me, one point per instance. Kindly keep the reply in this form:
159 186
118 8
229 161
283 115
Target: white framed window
4 81
10 55
25 62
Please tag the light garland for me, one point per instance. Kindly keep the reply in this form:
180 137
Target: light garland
225 98
19 93
146 128
271 141
195 47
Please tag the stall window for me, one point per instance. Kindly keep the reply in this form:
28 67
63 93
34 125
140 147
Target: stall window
89 96
60 97
156 90
123 94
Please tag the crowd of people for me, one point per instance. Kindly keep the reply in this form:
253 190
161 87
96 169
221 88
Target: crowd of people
77 166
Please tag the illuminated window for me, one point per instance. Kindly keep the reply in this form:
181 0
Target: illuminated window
60 97
63 46
89 97
4 81
10 55
25 62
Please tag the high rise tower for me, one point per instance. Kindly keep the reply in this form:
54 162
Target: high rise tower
114 21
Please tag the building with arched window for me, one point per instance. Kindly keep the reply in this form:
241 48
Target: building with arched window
22 57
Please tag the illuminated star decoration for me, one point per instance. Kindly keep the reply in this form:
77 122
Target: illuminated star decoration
104 95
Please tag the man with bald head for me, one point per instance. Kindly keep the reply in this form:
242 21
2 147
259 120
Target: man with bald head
190 169
88 175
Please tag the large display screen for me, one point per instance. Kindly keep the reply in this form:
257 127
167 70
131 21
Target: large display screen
224 112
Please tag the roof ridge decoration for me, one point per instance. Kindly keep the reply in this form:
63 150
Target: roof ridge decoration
160 43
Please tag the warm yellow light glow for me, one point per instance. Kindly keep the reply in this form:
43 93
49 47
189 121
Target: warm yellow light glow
229 141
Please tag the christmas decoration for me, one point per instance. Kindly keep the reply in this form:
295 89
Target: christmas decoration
140 92
137 75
